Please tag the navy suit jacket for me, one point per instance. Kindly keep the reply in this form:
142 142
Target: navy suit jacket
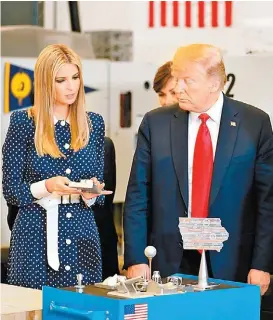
241 192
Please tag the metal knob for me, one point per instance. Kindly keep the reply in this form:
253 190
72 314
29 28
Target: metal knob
150 253
79 287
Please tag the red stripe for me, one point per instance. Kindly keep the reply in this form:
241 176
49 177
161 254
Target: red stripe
163 9
175 13
201 14
151 14
188 14
228 5
214 14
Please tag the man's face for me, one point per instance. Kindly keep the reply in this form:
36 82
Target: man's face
193 87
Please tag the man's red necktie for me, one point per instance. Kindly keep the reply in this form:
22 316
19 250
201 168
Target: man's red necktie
202 170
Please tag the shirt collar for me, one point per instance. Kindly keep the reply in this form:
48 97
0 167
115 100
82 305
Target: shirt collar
56 120
214 112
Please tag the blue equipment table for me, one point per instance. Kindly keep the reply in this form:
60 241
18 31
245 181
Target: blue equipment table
229 301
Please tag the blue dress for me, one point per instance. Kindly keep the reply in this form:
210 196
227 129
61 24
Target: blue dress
78 239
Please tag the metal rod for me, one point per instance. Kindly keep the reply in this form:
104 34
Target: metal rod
74 16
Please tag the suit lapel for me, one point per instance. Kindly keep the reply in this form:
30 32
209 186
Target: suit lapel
179 147
229 127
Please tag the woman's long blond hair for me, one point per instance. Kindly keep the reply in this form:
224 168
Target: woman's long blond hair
49 62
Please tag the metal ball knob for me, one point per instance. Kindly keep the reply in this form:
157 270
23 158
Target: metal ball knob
150 252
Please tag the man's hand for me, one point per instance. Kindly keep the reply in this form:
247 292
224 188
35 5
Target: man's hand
259 278
139 270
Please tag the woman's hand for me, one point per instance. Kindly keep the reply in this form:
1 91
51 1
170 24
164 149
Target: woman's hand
88 195
59 185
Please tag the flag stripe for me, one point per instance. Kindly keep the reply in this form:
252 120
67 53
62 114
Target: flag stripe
138 314
163 11
188 14
175 13
228 5
151 14
214 14
134 317
201 14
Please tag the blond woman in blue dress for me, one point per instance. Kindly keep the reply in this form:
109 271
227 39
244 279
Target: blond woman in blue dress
55 236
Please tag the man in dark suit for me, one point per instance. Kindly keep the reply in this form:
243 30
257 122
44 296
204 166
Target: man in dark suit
209 156
103 215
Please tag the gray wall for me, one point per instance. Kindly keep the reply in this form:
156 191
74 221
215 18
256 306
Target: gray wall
22 13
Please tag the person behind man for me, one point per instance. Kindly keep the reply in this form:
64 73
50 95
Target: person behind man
104 215
164 85
178 171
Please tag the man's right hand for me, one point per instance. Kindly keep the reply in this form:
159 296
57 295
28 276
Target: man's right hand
139 270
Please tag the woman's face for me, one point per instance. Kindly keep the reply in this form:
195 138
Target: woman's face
67 84
167 95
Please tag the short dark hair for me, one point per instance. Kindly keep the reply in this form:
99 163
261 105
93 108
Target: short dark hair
162 76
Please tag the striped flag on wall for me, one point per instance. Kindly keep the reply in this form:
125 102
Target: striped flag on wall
190 14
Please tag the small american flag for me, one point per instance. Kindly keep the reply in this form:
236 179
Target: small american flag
136 312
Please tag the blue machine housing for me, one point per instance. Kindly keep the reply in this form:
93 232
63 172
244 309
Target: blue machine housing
241 302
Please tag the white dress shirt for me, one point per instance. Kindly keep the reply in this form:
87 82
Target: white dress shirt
39 190
213 124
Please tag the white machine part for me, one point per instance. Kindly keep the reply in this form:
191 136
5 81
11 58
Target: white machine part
250 79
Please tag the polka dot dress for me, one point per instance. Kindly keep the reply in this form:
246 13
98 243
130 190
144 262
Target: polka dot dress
78 239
